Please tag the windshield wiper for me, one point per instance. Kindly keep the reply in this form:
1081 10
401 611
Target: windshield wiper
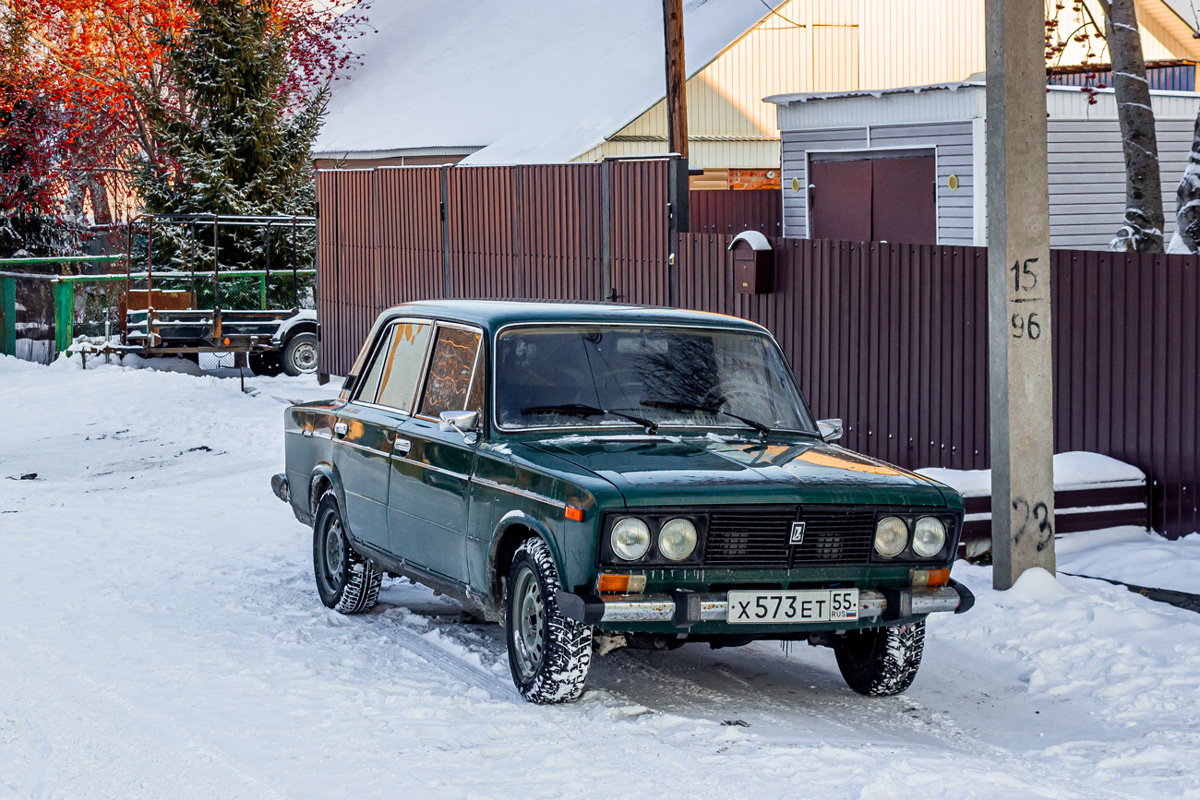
758 426
581 410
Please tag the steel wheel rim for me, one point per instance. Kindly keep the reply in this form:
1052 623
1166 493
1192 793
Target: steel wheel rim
334 553
304 357
529 623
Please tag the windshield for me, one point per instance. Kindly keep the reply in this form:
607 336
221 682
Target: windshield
591 375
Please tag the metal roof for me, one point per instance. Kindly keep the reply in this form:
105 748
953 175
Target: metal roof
525 80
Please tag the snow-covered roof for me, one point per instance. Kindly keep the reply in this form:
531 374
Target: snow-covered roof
953 101
522 80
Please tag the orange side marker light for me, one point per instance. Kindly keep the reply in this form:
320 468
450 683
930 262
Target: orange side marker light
574 513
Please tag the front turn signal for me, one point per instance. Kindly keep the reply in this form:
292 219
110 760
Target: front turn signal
609 583
930 577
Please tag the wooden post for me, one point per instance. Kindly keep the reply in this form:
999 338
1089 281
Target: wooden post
1019 343
677 141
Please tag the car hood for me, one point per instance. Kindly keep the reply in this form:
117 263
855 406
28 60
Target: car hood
656 470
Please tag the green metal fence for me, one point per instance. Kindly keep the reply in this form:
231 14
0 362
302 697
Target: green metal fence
90 304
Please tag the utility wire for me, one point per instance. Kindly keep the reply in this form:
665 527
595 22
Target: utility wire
781 16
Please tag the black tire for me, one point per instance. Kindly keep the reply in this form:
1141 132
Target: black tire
548 654
266 363
346 581
300 354
880 662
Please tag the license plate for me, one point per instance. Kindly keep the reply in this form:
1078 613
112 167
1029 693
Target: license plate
791 605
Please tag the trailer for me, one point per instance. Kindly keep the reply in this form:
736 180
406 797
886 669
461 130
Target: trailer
186 285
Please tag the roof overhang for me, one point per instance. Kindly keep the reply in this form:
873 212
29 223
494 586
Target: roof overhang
399 152
954 102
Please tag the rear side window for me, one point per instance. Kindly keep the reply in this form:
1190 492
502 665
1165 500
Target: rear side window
450 370
403 365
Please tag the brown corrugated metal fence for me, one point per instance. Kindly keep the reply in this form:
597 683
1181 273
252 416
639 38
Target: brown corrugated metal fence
580 231
735 210
892 338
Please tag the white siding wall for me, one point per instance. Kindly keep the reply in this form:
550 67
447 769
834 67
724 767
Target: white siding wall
1087 178
954 153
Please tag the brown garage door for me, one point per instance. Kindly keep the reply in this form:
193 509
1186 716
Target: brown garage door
903 200
840 200
880 198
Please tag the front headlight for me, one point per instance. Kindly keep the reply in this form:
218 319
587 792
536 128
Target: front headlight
630 538
929 537
677 539
891 535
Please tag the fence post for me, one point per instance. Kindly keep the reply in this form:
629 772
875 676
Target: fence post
64 315
607 291
8 316
445 212
262 291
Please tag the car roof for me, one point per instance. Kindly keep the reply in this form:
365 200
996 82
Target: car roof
492 315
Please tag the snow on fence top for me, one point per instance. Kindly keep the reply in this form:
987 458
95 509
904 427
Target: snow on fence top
1073 470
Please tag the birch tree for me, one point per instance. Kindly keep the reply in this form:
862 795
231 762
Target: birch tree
1186 238
1143 224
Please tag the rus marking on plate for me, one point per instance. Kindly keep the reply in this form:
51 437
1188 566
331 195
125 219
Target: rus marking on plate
797 536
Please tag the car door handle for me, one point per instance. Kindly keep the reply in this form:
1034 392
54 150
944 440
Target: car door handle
402 445
340 428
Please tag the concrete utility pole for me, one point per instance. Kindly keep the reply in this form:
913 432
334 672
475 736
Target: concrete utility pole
677 139
1019 343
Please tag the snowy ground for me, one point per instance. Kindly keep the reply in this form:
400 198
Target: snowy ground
160 637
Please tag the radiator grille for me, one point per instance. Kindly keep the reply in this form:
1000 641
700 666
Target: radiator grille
759 537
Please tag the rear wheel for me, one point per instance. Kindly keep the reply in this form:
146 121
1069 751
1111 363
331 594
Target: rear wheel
346 581
548 654
266 363
300 354
881 661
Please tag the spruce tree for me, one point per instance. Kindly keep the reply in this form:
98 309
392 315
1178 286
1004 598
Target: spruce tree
232 139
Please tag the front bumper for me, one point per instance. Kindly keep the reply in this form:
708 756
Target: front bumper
684 609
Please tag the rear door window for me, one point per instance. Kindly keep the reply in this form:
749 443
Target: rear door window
370 383
451 367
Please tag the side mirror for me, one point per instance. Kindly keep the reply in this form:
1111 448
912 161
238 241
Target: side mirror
830 429
465 422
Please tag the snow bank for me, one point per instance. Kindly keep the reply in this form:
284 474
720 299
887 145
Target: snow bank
1133 555
1072 470
1132 663
11 364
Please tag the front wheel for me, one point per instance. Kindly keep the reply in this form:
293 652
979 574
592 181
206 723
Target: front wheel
881 661
300 354
548 654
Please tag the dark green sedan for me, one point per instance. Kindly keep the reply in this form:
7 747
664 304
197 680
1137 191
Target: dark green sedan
602 476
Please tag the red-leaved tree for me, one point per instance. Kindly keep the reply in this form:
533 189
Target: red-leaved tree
99 63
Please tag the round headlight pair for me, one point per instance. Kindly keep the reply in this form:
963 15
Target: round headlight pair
630 539
891 536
